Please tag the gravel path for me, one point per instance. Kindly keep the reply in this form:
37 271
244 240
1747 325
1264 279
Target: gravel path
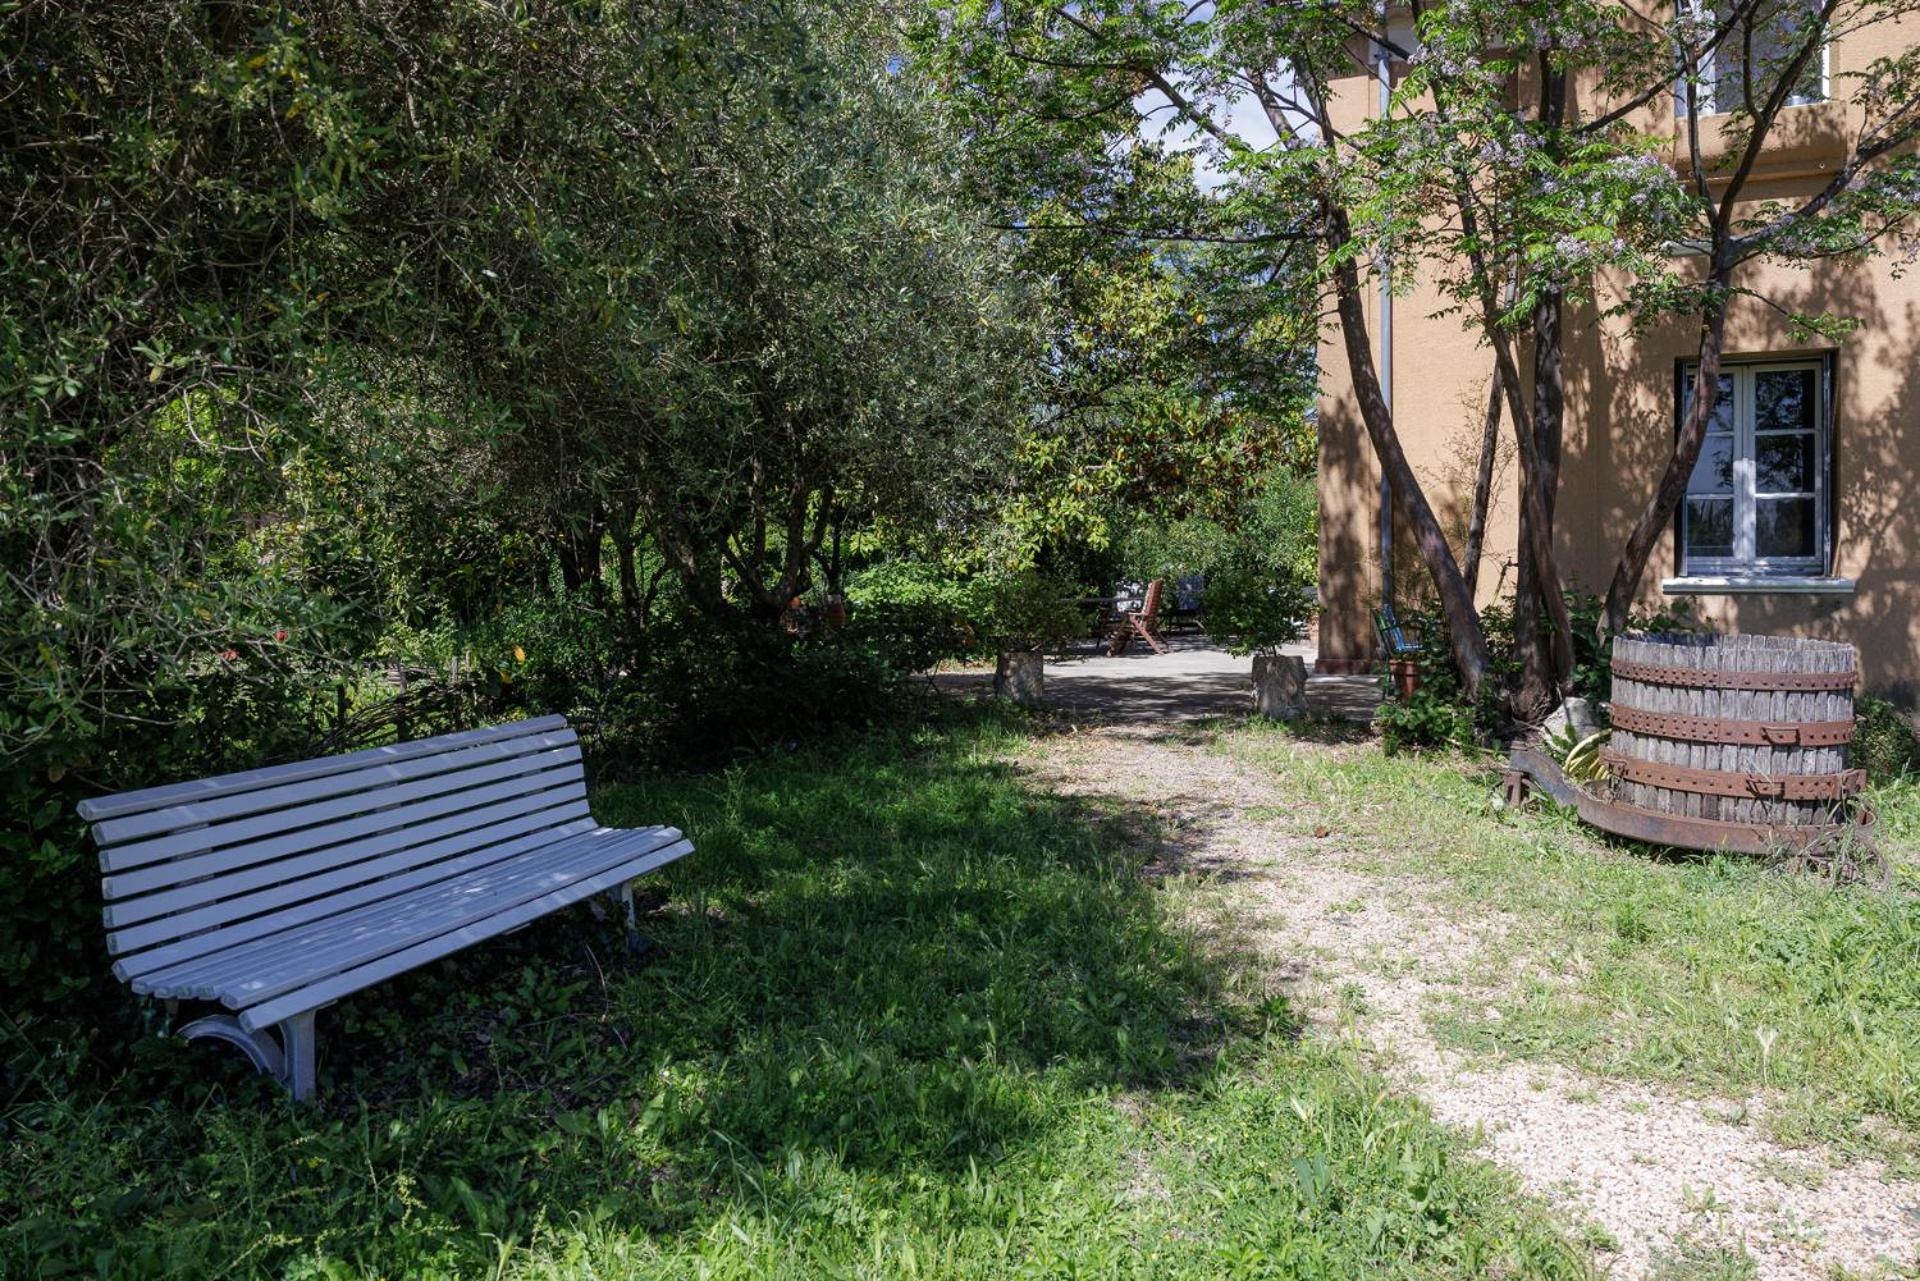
1658 1173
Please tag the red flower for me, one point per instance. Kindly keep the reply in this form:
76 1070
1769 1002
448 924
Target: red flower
280 633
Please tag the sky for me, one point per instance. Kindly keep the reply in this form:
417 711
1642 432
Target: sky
1242 117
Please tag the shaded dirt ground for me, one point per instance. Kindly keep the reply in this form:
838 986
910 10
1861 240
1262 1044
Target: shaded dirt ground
1658 1184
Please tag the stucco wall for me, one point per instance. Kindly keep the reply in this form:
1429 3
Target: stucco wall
1619 429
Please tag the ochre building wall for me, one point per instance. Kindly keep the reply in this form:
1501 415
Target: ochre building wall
1620 421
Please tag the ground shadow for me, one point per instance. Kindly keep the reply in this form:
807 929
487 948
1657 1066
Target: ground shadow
895 956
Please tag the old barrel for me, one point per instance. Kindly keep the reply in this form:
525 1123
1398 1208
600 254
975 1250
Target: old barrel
1738 729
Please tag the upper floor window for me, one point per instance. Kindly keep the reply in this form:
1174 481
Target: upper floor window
1759 502
1757 51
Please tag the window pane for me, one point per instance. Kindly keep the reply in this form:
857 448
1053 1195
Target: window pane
1783 400
1785 463
1713 473
1722 419
1772 31
1783 527
1709 527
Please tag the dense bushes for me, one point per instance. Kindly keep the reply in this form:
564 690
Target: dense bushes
1438 715
379 368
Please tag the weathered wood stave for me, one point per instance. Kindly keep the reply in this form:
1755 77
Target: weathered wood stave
1757 660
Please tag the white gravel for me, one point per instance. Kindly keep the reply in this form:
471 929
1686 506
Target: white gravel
1652 1168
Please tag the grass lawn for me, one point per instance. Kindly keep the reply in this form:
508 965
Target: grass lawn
906 1016
1712 973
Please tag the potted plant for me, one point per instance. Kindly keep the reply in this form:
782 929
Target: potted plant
1255 607
1022 614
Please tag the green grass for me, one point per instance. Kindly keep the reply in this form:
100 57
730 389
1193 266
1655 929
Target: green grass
905 1016
1716 973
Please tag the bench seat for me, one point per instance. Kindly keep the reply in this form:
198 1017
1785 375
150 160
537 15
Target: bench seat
276 892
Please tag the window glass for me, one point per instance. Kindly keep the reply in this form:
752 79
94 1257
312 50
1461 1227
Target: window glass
1757 51
1756 502
1783 400
1710 526
1783 463
1784 527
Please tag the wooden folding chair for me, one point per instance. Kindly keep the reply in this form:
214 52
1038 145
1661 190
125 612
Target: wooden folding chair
1139 626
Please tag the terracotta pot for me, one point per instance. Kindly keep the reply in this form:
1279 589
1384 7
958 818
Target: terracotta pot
1406 677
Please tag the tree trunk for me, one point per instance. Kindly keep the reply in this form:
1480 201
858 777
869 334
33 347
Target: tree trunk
621 531
580 552
1482 488
1658 513
1464 635
1545 656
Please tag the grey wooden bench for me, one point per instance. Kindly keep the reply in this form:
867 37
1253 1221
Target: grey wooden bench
278 891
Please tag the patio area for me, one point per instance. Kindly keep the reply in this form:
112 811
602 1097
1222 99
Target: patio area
1195 681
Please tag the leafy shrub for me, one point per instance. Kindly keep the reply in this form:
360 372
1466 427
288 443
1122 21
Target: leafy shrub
1254 606
703 693
1591 678
1430 719
1884 743
912 611
1025 609
1172 549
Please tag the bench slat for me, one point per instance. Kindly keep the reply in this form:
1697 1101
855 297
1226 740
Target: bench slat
269 970
441 789
230 900
264 969
123 803
281 962
123 831
141 895
348 982
204 945
202 863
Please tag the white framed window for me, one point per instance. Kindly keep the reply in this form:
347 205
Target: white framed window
1756 51
1759 503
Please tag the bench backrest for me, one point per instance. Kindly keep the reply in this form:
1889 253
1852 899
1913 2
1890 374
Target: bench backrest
1393 636
192 868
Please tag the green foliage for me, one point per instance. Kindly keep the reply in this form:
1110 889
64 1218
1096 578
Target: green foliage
1252 608
905 1014
1179 343
547 344
1259 558
1438 715
1170 549
914 610
1025 609
1884 743
1432 718
1592 676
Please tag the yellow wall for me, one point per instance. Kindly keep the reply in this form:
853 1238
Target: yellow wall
1620 424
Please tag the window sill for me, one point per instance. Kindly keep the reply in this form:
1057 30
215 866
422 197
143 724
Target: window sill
1715 585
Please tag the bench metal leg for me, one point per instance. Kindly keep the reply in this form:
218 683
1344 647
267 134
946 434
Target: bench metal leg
288 1060
296 1040
262 1050
638 944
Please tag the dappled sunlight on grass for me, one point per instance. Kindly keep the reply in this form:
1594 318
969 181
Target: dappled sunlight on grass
905 1014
